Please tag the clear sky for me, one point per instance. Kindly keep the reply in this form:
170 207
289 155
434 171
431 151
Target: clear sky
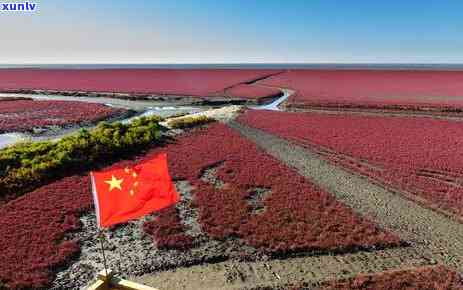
226 31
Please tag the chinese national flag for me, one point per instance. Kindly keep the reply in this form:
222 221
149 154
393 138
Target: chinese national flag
127 193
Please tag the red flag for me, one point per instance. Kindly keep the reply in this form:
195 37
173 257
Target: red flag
127 193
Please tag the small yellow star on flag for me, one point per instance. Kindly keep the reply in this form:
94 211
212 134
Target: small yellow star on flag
114 183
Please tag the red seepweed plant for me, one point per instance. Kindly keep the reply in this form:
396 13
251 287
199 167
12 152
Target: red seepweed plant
420 156
32 229
295 215
292 216
253 92
24 115
373 89
180 82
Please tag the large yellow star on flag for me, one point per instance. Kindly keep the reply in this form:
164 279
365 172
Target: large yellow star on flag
114 183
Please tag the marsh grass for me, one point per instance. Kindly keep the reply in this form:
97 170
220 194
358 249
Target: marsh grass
25 166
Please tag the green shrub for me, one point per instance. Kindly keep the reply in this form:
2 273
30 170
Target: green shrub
189 121
26 166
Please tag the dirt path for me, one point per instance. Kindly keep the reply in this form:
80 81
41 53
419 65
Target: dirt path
310 269
437 236
380 113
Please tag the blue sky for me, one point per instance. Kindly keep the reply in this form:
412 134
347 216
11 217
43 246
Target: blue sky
188 31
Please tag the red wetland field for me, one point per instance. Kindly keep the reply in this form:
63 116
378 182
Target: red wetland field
372 88
422 156
293 215
370 199
278 212
252 92
33 229
25 115
184 82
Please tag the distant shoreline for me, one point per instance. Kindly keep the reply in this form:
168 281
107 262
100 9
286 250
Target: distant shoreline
338 66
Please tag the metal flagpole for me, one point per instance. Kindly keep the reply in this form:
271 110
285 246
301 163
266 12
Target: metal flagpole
100 231
101 238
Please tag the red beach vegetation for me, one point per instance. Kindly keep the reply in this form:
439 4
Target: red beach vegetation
181 82
421 156
378 89
24 115
294 215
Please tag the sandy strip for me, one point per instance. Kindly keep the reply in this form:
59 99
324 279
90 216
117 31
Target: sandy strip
246 275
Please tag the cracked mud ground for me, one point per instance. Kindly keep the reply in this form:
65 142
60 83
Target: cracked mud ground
432 237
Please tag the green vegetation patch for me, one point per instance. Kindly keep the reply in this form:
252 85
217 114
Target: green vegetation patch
25 166
189 121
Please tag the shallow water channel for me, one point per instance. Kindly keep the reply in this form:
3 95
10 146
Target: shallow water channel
142 107
274 106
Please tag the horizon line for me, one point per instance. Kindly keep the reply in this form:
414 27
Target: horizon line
232 62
